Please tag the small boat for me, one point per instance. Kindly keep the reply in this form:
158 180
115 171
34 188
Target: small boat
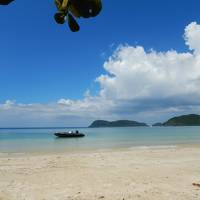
69 134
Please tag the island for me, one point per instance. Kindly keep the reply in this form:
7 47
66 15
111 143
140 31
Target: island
158 124
183 120
119 123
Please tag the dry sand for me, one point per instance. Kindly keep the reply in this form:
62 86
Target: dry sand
143 174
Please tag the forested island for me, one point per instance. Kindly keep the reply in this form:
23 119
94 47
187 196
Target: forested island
119 123
184 120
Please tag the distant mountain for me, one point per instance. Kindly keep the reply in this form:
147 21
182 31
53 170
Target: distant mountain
184 120
119 123
157 124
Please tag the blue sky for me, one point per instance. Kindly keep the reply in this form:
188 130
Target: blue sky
42 62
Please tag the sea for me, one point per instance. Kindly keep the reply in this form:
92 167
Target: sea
23 140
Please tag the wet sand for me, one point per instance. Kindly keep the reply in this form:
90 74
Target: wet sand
131 174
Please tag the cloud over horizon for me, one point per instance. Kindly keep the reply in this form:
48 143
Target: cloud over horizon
141 85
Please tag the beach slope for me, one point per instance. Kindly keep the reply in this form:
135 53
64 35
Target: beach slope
139 174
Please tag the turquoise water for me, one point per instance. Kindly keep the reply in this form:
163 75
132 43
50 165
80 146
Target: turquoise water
32 140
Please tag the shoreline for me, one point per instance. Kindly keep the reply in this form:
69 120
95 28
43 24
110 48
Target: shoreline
101 150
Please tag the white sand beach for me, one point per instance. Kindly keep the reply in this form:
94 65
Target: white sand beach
132 174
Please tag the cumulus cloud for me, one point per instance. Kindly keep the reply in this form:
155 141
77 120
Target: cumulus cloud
141 85
64 112
135 73
192 37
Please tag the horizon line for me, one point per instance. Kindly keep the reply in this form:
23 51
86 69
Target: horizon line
45 127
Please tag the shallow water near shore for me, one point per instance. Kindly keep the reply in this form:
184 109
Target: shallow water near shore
43 140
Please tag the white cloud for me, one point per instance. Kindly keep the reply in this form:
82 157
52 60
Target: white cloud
140 85
192 36
65 112
134 73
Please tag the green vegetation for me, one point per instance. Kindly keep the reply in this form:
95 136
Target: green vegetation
75 9
184 120
119 123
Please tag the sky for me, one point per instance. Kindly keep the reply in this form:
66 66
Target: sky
137 60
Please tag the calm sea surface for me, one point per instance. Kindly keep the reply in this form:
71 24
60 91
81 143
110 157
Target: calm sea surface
33 140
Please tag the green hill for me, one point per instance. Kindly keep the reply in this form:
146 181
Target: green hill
119 123
184 120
